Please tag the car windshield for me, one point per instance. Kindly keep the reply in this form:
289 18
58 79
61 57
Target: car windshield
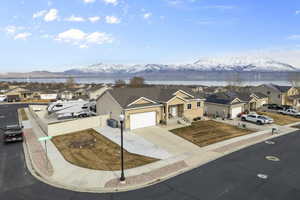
261 117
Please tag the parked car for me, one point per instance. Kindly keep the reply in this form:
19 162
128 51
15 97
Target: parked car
291 112
13 133
258 119
286 107
83 113
275 107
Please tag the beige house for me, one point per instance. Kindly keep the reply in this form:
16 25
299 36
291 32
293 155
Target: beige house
145 107
281 95
223 105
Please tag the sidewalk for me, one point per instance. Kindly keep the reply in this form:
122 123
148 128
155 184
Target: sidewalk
62 174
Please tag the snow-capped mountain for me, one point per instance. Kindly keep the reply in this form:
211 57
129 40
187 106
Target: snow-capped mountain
239 64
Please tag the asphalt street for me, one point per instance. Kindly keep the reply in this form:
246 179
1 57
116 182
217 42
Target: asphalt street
233 177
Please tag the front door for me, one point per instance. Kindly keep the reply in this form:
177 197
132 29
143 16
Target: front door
174 111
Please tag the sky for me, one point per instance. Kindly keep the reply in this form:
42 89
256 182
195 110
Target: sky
56 35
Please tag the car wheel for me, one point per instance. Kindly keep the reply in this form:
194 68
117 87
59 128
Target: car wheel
259 122
243 119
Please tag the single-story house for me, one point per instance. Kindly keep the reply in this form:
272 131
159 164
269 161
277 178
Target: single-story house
96 91
48 95
278 94
253 101
224 105
67 94
150 106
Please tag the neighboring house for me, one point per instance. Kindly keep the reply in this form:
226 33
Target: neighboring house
12 98
280 95
48 95
145 107
95 92
80 92
23 93
253 101
223 105
67 94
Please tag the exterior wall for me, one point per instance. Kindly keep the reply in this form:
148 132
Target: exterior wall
220 110
216 109
273 96
106 105
142 101
38 113
158 110
195 111
291 92
72 126
261 102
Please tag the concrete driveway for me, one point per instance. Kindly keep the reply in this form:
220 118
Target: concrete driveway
134 143
172 143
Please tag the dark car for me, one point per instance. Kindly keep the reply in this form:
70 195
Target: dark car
275 107
286 107
13 133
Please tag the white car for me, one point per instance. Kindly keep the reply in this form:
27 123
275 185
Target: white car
258 119
291 112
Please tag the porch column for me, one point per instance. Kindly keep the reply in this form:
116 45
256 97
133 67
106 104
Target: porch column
166 113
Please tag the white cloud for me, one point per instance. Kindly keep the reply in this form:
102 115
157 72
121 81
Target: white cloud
99 38
51 15
83 46
297 12
89 1
22 36
294 37
39 14
75 19
113 2
112 20
147 15
94 19
12 30
82 39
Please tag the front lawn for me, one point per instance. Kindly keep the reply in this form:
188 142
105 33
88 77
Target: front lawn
90 149
280 119
203 133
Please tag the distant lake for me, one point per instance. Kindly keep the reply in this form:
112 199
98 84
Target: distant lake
99 80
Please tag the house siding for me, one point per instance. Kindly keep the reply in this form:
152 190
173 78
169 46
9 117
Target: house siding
106 105
221 110
195 111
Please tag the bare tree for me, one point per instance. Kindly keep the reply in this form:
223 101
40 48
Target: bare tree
137 82
70 83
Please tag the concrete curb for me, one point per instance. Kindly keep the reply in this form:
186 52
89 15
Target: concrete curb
48 180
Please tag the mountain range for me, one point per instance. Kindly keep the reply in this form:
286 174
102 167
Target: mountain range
237 64
248 67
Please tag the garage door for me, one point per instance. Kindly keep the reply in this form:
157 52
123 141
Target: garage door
235 112
142 120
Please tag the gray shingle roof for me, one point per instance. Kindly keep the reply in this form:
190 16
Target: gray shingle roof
125 96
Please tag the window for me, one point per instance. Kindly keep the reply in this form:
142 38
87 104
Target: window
279 96
198 104
268 92
189 106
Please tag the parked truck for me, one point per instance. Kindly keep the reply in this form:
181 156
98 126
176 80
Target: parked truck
291 112
258 119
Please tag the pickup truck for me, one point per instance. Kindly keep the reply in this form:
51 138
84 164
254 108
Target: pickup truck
291 112
258 119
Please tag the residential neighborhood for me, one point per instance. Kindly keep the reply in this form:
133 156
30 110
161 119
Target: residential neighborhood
135 136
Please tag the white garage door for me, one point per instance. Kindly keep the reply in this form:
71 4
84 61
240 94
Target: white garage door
235 112
142 120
